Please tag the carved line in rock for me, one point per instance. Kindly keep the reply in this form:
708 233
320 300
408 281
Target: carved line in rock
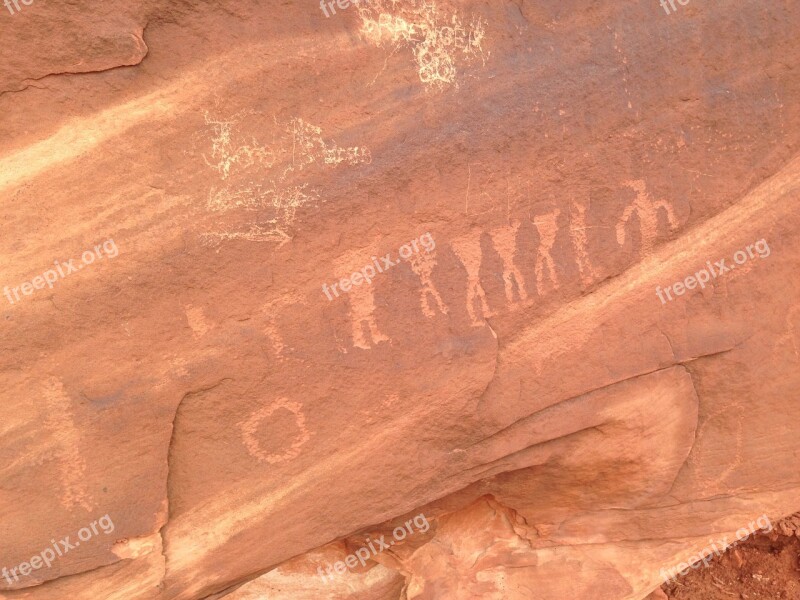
61 422
301 146
250 427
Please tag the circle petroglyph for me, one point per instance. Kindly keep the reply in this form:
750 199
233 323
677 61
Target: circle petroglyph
251 425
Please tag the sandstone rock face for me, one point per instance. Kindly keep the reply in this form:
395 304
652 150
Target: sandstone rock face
382 304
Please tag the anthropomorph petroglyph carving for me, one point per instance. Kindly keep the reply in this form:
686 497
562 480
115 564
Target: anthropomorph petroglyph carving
362 315
468 251
578 227
504 240
547 226
361 298
422 265
647 210
60 421
251 425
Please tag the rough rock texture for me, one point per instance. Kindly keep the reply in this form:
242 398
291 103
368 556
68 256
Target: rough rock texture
765 566
514 377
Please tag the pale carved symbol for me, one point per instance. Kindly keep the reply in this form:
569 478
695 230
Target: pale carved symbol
647 210
361 298
504 240
578 227
197 321
422 265
251 425
271 310
547 226
362 312
468 251
275 200
61 422
275 337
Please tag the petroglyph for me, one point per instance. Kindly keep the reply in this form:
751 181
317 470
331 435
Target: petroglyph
299 145
282 205
578 227
250 428
308 148
275 337
468 251
504 240
547 226
361 298
248 197
270 311
436 39
60 420
197 321
647 210
422 265
226 155
256 233
362 312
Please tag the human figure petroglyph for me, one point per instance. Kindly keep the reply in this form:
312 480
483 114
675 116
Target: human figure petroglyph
250 427
60 421
647 209
468 251
361 298
504 240
578 227
547 226
362 312
422 265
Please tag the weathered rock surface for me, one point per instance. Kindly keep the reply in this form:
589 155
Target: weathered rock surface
512 375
